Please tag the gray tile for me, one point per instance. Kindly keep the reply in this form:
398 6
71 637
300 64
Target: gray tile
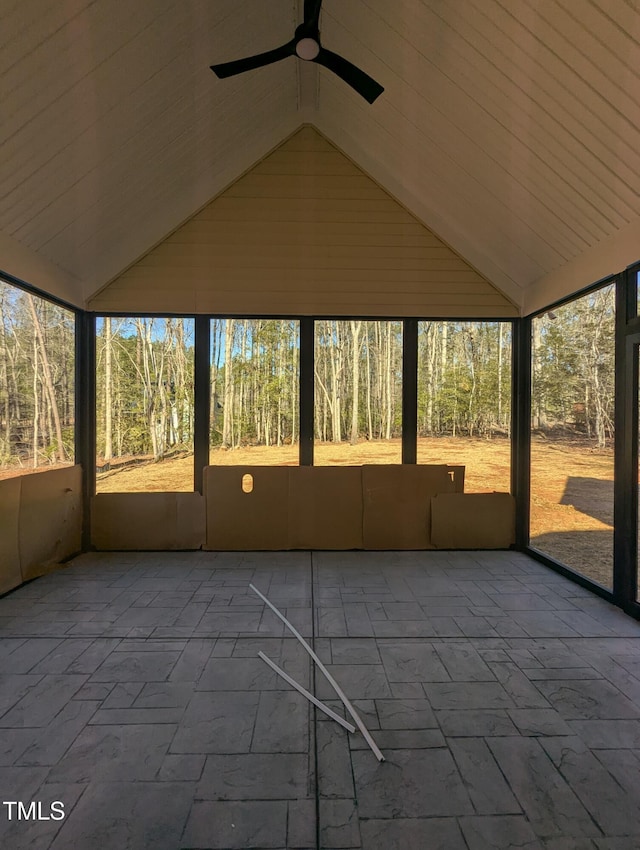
499 833
249 674
225 622
20 783
463 663
483 780
114 754
335 776
339 824
412 661
13 687
48 745
521 602
588 700
539 721
474 722
331 622
59 659
92 822
403 610
19 834
577 696
123 695
548 801
410 833
301 824
181 768
521 690
400 739
565 673
543 624
255 776
406 690
410 783
623 765
354 651
135 716
164 695
405 714
217 723
356 616
358 681
282 723
236 825
42 702
412 629
467 695
13 742
608 734
192 660
615 811
28 654
136 667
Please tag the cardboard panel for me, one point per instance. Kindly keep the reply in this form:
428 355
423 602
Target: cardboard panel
191 521
473 521
456 473
50 526
147 521
397 504
238 520
10 573
325 507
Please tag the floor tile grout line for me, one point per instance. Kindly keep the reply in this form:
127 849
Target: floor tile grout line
315 710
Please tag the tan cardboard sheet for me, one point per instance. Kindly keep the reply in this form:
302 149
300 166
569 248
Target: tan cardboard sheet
50 526
10 572
153 521
456 473
473 521
397 504
325 507
238 520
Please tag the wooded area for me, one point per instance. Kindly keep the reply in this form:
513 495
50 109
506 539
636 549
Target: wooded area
255 382
573 369
144 387
464 379
37 374
145 401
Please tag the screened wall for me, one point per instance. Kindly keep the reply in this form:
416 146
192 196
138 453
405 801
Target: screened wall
37 382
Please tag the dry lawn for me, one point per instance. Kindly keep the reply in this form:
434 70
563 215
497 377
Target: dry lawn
571 485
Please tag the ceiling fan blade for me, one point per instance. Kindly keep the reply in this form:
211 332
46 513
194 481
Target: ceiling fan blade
238 66
312 12
357 79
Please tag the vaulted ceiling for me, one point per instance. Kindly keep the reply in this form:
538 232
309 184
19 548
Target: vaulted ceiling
511 128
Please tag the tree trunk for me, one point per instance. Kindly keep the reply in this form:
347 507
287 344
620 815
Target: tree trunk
36 407
227 422
108 401
356 327
46 371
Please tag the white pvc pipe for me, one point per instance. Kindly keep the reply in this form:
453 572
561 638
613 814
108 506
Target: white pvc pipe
327 675
306 693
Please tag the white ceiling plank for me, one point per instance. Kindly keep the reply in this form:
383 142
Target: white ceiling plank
511 129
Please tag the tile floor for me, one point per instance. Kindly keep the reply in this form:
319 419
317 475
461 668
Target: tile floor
505 698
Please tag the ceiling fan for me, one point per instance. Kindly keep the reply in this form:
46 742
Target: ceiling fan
306 45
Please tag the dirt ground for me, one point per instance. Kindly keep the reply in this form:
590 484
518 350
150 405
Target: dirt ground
571 485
